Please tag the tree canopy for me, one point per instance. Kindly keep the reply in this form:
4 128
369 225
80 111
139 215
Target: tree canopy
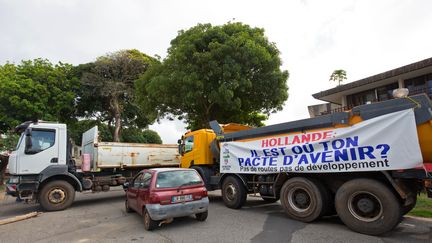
339 76
231 73
108 93
36 89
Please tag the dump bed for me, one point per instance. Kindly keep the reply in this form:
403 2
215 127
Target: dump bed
127 155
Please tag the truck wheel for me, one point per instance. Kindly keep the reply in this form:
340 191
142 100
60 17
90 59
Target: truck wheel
407 208
303 199
233 192
56 195
205 174
201 216
149 223
367 206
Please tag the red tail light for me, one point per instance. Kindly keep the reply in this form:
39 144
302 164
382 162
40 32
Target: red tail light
205 193
154 198
201 194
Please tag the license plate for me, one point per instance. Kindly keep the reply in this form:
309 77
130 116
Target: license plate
181 198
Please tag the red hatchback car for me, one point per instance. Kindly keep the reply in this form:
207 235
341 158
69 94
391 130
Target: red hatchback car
166 193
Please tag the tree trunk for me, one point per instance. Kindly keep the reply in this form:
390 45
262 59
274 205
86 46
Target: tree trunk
117 119
4 159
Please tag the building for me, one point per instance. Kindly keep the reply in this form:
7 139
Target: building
417 77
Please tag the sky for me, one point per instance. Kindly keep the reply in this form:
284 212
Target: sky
364 37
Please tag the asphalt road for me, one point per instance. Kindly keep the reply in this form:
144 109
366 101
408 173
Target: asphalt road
102 218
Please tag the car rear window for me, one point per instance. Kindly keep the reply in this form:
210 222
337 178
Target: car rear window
177 178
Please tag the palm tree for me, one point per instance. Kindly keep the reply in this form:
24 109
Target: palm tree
338 75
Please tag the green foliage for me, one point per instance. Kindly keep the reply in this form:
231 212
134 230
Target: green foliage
36 89
108 90
136 135
339 76
230 73
423 207
8 141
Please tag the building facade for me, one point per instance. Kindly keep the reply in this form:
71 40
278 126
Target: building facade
416 77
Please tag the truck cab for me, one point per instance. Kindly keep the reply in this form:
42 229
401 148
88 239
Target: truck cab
199 150
40 145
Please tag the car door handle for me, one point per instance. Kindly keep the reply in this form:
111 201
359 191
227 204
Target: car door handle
54 160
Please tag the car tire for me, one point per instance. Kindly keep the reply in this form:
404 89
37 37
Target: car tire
201 216
233 192
368 206
56 195
149 223
303 199
127 208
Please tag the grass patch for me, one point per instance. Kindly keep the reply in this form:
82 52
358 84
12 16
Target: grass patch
423 207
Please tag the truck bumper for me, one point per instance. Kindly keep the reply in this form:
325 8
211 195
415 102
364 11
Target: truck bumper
159 212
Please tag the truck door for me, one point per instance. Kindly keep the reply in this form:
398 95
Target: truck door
42 152
188 154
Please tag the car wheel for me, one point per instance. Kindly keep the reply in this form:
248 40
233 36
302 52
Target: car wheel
127 208
201 216
368 206
149 223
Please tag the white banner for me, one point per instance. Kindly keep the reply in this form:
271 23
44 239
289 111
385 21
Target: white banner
387 142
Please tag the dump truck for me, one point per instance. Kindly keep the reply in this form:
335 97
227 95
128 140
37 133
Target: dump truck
42 167
366 165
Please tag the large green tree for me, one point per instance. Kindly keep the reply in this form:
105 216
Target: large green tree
108 90
36 89
231 73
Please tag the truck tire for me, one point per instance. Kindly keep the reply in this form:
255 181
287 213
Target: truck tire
304 199
407 208
367 206
56 195
205 174
233 192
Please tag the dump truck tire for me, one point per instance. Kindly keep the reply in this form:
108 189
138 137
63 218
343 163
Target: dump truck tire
233 192
303 199
56 195
407 208
367 206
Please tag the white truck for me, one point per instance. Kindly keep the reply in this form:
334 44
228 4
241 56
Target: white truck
43 169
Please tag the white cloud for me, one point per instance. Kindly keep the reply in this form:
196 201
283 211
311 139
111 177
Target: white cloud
314 37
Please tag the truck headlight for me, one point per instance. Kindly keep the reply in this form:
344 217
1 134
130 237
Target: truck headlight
14 180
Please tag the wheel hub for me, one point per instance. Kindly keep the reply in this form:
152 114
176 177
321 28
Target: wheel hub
56 196
230 192
365 206
299 199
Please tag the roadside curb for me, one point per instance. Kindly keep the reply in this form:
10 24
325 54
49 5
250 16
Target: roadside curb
429 220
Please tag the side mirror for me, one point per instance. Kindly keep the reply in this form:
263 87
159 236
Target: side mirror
125 186
28 141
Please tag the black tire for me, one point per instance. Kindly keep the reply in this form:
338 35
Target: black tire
201 216
56 195
205 174
127 208
303 199
149 223
407 208
367 206
233 192
270 200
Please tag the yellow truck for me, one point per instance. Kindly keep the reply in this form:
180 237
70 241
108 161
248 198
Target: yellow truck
367 164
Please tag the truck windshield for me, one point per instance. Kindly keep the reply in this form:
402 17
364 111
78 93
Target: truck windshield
19 141
177 178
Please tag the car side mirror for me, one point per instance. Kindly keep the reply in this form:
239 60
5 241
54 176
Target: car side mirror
125 186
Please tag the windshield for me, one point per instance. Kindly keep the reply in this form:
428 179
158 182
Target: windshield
177 178
19 141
